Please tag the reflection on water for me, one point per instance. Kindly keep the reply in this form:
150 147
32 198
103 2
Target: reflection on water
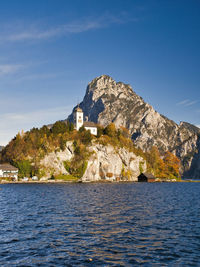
99 224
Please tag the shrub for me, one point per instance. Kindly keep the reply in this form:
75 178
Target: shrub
76 168
110 130
64 177
141 164
25 168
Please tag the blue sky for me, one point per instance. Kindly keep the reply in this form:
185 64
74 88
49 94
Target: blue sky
51 49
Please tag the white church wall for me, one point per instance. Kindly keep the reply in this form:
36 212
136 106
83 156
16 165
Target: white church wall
93 130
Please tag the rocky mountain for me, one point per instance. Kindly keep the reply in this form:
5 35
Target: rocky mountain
109 101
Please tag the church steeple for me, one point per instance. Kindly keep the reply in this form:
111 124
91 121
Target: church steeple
78 118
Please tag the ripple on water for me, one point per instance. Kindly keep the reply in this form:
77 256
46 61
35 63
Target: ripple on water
100 224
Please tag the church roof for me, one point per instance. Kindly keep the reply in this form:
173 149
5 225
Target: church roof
89 124
78 109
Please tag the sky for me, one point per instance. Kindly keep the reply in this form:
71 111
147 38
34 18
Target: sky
51 49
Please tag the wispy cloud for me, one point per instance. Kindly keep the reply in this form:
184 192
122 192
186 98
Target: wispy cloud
6 69
187 103
39 76
36 34
12 123
32 32
191 103
182 102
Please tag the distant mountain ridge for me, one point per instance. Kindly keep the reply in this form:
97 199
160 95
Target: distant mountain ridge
1 147
109 101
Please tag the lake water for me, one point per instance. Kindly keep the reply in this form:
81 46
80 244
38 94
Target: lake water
100 224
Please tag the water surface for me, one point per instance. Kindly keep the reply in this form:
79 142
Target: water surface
100 224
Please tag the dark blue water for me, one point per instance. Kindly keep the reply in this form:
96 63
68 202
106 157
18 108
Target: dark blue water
100 224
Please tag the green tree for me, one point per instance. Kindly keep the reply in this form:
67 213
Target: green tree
70 126
25 168
59 127
82 129
100 131
86 137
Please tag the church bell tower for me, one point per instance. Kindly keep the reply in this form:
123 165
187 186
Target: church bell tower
78 118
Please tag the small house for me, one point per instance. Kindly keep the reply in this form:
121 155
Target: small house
8 171
146 177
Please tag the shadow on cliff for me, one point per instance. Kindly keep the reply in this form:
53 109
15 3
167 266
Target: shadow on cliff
194 170
91 109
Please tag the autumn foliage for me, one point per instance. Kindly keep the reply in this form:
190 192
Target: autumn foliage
26 150
166 166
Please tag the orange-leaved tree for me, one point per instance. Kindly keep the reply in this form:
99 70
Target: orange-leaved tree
172 165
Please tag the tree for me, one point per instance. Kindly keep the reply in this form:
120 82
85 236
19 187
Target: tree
100 131
172 164
45 130
70 126
153 158
110 130
59 127
62 143
86 137
25 168
82 129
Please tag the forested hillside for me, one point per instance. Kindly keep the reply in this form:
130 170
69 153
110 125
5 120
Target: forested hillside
26 150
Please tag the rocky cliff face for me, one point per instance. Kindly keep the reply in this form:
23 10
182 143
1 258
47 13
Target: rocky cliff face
105 163
52 163
107 101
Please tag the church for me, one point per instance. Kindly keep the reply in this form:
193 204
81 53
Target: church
79 122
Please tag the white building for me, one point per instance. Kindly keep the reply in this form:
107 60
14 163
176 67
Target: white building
79 122
9 171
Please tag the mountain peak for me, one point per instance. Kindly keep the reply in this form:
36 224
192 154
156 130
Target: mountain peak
106 85
101 82
109 101
102 78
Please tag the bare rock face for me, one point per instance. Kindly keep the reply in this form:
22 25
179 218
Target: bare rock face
53 162
109 101
106 163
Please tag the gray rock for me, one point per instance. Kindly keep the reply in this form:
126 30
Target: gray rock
53 162
107 101
105 163
108 163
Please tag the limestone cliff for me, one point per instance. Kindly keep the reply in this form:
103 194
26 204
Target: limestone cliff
104 163
53 163
109 101
108 163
